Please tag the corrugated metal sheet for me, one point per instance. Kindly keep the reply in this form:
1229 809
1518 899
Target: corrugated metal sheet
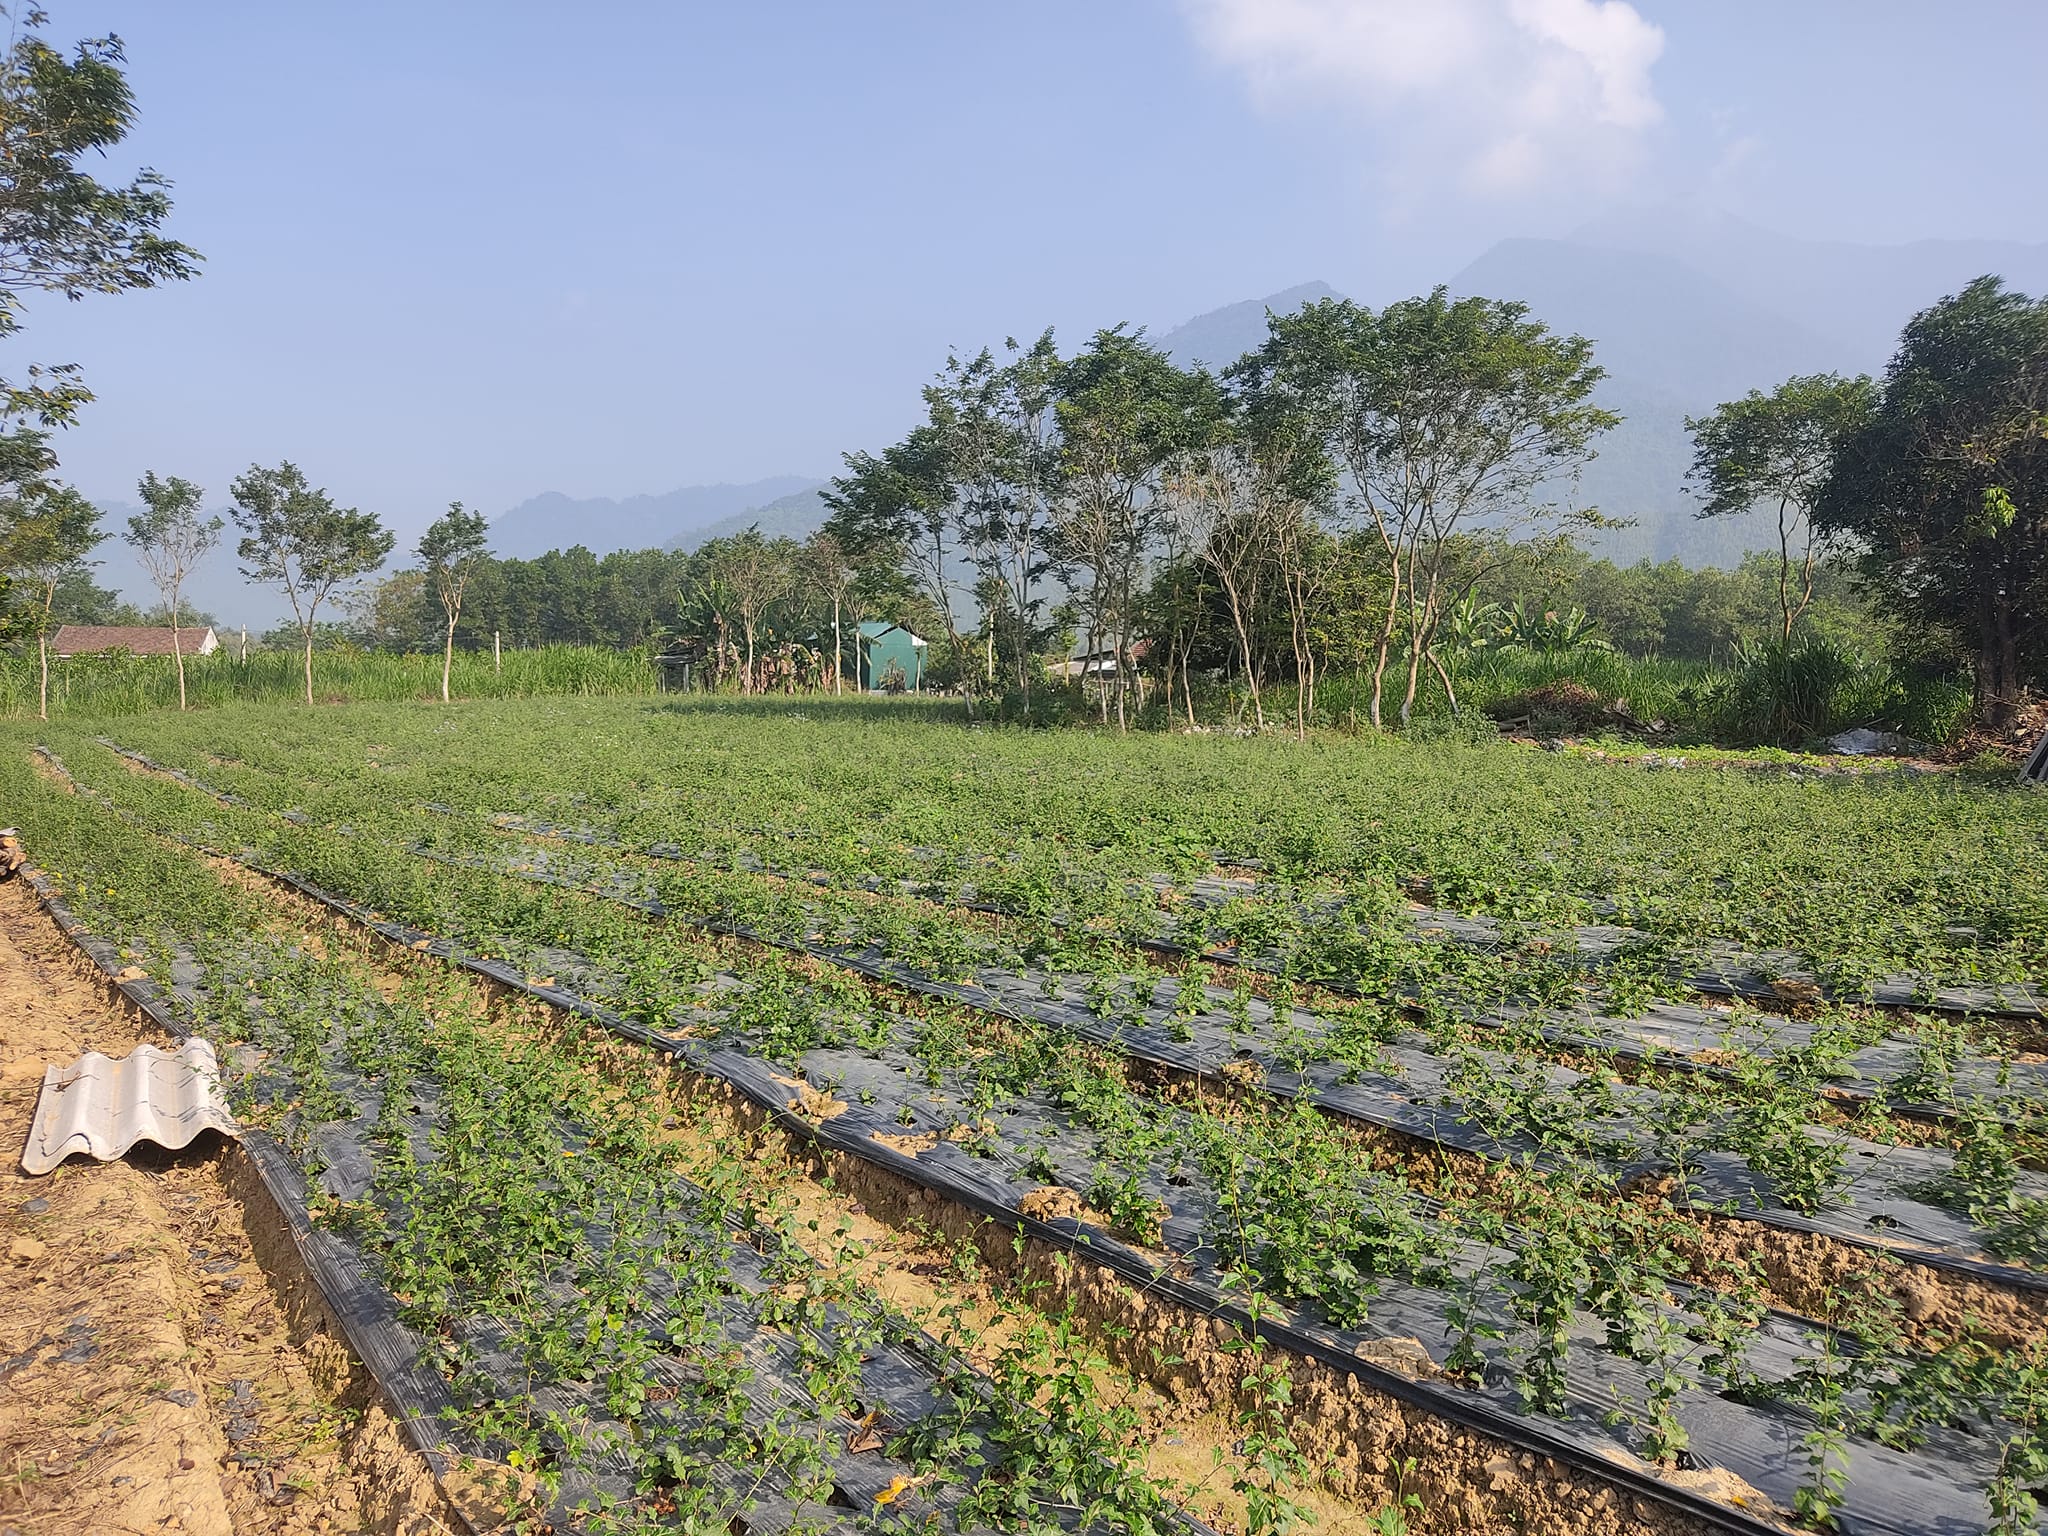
102 1106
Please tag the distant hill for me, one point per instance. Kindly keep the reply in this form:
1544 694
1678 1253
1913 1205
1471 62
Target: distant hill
1688 310
795 516
1858 295
1220 337
601 525
1684 311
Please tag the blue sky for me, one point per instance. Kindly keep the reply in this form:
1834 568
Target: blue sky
482 251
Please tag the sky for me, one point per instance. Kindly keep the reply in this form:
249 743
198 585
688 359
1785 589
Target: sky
482 251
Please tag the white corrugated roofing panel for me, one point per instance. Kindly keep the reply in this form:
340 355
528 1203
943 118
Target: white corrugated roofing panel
102 1105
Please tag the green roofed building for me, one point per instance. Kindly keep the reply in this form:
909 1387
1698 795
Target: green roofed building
891 658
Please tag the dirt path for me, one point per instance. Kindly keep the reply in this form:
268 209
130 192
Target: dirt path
154 1377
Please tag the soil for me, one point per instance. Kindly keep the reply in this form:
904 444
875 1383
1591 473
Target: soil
155 1375
2011 741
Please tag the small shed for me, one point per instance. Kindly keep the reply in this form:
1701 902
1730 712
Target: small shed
892 659
134 639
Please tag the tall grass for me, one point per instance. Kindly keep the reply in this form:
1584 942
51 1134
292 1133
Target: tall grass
111 685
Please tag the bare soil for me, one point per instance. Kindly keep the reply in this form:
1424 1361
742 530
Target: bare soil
155 1375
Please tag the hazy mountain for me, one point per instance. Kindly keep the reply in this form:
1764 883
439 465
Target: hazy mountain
795 516
1858 295
1685 310
1220 337
601 525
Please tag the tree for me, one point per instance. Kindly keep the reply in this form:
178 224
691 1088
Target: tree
1779 448
998 427
46 533
1944 487
748 576
832 577
1126 414
296 538
451 549
1444 414
898 507
170 538
61 231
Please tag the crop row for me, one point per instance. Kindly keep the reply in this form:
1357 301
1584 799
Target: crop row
1864 879
1745 1141
1539 1266
659 1347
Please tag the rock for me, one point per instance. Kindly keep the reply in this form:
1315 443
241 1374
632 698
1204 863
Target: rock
25 1250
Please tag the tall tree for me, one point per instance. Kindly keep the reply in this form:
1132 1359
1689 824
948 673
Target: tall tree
1253 466
296 538
1126 414
171 537
1444 414
451 550
835 581
998 424
62 231
1778 449
1945 487
46 533
898 506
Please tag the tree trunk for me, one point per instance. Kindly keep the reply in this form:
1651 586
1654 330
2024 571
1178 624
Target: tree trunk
1785 571
178 653
448 656
1450 691
1244 645
1385 644
309 663
43 696
838 688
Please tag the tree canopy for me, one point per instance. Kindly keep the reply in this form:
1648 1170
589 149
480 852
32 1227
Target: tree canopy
1944 488
296 538
1778 448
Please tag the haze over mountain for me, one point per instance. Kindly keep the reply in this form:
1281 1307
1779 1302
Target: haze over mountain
1685 310
601 525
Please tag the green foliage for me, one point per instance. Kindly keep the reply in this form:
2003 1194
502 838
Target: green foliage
1945 488
296 537
1779 449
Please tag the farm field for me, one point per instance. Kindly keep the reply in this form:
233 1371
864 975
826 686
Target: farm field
768 1118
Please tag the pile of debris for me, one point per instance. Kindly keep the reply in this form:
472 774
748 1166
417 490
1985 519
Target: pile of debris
1567 706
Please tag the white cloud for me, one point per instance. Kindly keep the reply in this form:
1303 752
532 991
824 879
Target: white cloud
1509 97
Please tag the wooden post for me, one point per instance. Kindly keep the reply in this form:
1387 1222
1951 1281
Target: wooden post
497 656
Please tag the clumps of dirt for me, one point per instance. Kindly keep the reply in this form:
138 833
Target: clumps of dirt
1051 1202
1372 1447
1832 1281
159 1369
1566 706
811 1102
909 1146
